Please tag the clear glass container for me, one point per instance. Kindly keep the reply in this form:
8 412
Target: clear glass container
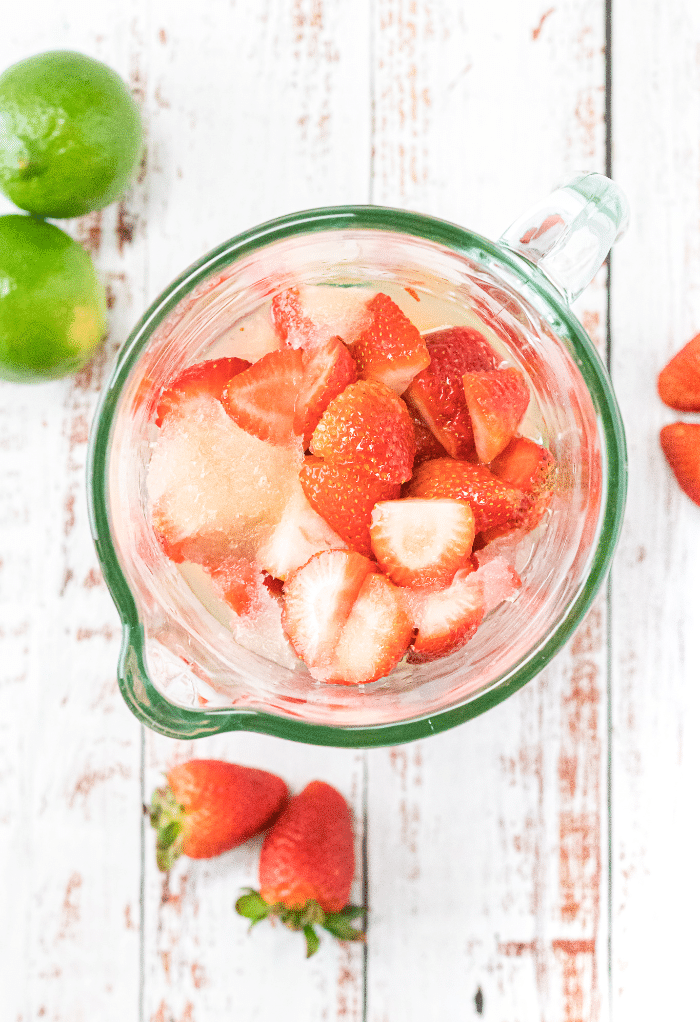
180 670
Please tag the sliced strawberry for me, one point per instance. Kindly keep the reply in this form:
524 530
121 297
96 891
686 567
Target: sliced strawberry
437 392
493 502
289 320
679 380
446 619
368 425
530 467
421 542
390 349
497 401
203 378
237 581
318 598
427 446
309 315
262 399
680 442
344 495
328 369
300 533
376 634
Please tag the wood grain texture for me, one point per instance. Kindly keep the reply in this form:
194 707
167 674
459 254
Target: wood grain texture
487 845
656 643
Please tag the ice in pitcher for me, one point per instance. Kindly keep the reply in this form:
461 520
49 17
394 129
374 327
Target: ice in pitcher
345 479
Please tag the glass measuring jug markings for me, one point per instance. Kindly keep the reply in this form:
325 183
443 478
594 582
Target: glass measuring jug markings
182 669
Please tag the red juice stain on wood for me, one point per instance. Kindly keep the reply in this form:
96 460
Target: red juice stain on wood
538 28
575 955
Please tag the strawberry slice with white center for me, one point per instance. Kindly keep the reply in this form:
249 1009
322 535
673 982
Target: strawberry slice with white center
369 425
328 369
262 399
391 348
375 636
497 401
530 467
437 392
208 377
494 502
318 598
422 542
446 619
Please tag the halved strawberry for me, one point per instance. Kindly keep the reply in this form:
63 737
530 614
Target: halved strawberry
368 425
328 369
390 349
208 377
446 619
262 399
530 467
310 314
318 598
300 533
679 380
492 501
344 495
420 542
427 446
375 636
680 442
497 401
437 392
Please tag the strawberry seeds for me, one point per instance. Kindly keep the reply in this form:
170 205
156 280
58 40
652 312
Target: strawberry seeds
344 485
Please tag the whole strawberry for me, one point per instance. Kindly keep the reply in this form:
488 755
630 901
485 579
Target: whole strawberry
209 806
307 864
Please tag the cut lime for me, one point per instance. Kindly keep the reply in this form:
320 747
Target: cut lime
53 311
70 134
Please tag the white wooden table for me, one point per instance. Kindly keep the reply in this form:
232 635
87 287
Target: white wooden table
538 864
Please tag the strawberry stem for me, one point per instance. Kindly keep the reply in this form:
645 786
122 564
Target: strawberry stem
167 817
252 906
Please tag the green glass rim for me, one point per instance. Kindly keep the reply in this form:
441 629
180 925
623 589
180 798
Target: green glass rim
169 719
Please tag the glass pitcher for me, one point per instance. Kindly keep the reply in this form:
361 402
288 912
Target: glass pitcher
179 669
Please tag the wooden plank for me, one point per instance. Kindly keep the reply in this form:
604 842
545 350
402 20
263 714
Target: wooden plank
284 126
487 844
656 646
70 771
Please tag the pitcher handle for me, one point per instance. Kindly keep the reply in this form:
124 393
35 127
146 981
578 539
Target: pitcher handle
569 234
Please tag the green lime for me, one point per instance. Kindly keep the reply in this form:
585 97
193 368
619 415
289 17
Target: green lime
70 134
53 311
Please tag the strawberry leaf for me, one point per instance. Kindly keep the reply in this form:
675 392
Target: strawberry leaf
252 907
338 923
312 941
166 816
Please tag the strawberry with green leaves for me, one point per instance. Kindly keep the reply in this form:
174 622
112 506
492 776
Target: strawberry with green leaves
209 806
307 865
